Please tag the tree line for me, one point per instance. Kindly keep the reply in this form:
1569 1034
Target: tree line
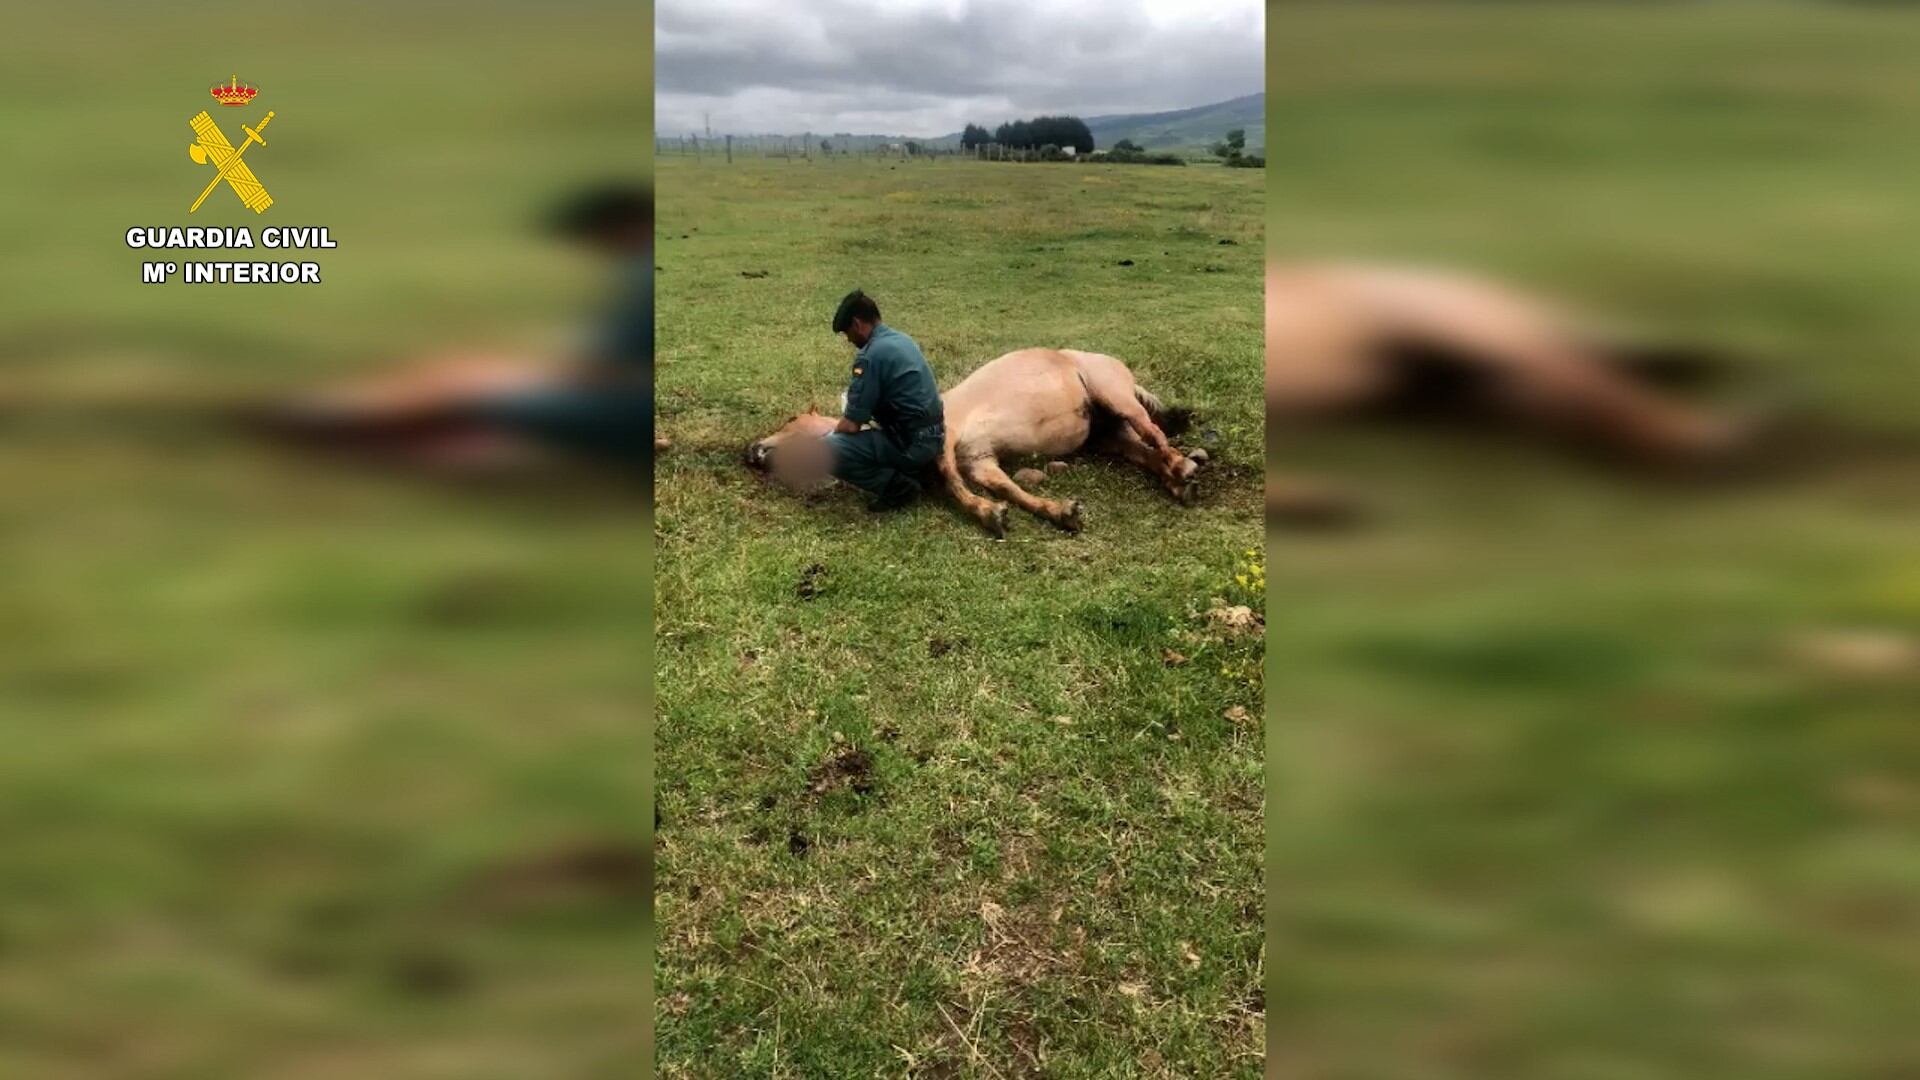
1061 131
1071 131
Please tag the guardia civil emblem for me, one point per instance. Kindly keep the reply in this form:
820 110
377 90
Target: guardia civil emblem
211 146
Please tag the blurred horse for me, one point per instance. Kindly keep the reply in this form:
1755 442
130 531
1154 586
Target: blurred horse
1345 340
1405 343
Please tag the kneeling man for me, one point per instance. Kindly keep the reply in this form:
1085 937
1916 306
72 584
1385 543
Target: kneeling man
893 387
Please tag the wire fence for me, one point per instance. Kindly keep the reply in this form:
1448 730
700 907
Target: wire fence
805 147
827 148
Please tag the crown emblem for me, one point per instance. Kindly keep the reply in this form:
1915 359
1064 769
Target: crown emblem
234 93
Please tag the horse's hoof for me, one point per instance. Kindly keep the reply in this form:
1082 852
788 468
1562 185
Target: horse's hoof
1071 520
1189 493
996 522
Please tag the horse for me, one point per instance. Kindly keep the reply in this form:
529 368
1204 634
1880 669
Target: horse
1348 340
1046 402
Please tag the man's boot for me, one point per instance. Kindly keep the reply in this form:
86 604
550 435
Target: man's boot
900 491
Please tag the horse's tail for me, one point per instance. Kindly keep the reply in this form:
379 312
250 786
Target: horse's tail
1172 420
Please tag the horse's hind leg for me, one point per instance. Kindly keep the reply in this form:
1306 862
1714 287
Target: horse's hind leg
988 474
1122 442
1113 390
1125 442
1605 408
1111 386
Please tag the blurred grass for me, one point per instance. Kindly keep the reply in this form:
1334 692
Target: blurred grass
306 771
952 798
427 136
1560 791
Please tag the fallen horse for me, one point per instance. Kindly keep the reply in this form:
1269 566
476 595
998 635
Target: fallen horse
1345 340
1045 402
1349 341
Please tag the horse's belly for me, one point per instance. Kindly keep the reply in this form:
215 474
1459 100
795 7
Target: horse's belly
1026 402
1052 434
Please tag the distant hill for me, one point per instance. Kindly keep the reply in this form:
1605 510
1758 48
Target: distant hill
1186 129
1193 129
1181 130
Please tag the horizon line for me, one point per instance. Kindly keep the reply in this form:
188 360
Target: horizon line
659 132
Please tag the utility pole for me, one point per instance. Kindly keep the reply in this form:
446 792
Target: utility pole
729 149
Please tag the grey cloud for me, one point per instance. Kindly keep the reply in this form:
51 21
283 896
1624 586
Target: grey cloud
848 59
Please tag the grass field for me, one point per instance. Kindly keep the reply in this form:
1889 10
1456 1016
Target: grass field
308 773
932 804
1566 784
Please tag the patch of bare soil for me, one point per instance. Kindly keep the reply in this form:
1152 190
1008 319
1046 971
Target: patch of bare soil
844 767
939 645
810 584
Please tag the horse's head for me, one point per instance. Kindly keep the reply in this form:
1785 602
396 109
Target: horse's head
794 452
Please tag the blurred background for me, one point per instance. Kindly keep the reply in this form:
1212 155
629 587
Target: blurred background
311 770
1578 772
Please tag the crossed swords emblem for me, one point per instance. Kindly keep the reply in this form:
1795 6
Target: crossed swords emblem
212 145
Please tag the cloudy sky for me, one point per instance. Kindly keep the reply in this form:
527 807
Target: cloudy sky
926 67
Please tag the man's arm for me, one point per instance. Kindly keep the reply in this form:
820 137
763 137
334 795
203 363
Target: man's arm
863 393
622 352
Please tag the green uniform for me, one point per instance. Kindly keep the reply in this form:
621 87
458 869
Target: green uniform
893 386
609 415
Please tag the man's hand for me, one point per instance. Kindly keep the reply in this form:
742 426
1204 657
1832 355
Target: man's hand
846 426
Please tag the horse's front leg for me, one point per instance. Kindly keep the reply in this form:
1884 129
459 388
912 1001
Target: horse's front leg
986 472
988 513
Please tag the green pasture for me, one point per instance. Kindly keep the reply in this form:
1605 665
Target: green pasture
1577 775
932 804
309 772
